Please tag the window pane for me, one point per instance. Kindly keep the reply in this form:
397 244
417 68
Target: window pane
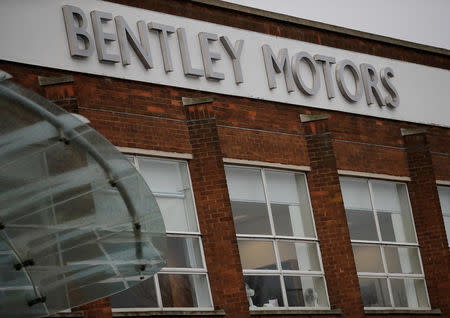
162 176
403 260
394 214
180 290
447 227
299 256
444 198
289 203
264 291
184 252
142 295
409 293
245 184
169 182
250 217
124 251
361 225
178 214
257 254
305 291
374 292
248 201
368 258
385 196
355 193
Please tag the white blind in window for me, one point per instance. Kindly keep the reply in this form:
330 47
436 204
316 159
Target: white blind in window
444 197
162 176
386 196
245 184
355 193
282 187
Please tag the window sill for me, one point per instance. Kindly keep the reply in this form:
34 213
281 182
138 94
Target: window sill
74 314
219 312
285 312
415 312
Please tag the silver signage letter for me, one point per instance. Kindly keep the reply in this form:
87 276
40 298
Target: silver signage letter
296 60
370 81
208 56
341 84
142 49
326 66
164 31
276 65
235 54
74 32
394 99
101 38
185 56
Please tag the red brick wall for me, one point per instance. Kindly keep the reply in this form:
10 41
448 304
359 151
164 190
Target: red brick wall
151 116
100 308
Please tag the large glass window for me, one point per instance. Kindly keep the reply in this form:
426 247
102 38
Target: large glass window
183 283
444 197
384 241
277 241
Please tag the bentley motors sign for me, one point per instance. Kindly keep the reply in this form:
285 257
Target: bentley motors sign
76 28
108 39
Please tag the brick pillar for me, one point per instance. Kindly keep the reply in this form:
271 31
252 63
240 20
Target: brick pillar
330 218
428 219
214 209
100 308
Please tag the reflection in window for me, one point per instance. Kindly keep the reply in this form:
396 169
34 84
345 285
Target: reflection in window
374 292
184 290
183 283
277 242
384 244
444 198
265 291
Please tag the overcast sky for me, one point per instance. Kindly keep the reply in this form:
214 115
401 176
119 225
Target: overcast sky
421 21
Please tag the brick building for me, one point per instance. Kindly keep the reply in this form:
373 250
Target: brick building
273 207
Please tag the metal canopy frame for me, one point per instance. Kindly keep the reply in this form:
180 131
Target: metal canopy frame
142 233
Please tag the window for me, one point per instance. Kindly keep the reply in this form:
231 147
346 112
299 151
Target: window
384 244
183 283
276 237
444 197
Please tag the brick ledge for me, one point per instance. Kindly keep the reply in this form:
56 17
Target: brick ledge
417 312
219 312
296 312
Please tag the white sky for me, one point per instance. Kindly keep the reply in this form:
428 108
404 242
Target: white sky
421 21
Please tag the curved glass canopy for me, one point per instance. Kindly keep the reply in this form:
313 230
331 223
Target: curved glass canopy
77 221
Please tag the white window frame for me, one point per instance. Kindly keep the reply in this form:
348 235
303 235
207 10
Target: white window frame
276 238
174 270
382 244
